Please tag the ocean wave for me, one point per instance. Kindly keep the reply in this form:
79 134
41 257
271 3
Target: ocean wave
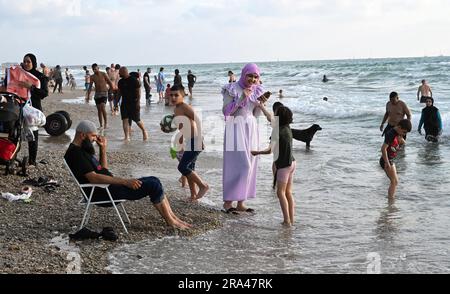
335 110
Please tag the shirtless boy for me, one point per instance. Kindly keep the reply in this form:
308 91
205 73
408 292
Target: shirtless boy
101 81
190 127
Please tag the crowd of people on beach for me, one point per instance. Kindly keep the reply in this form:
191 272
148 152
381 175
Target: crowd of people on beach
244 100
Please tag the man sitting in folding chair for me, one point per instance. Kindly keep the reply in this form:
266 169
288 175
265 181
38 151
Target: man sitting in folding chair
87 169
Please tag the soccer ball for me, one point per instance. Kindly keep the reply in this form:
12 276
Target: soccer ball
167 124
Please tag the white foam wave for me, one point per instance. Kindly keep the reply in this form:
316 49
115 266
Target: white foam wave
335 109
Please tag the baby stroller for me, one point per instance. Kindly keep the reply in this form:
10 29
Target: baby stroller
11 127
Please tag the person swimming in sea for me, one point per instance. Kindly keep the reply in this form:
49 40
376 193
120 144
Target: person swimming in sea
325 79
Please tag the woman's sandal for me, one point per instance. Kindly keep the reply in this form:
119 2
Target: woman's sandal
231 210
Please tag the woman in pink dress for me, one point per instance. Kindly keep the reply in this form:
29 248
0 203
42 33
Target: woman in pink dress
241 108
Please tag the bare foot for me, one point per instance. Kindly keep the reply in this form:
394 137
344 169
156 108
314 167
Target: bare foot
202 192
127 139
179 226
183 182
286 224
145 135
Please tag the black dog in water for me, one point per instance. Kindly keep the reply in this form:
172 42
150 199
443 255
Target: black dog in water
306 135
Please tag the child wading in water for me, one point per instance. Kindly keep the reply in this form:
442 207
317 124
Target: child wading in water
393 141
284 165
189 125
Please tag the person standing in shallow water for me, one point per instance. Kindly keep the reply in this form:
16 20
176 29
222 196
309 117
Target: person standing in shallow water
192 79
160 86
130 91
431 121
425 91
147 85
396 110
393 141
240 108
101 81
231 77
178 80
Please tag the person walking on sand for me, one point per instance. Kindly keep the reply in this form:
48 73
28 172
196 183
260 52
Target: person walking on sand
90 169
189 125
130 91
116 94
101 81
396 110
87 78
67 72
240 108
110 71
57 76
192 79
424 92
393 141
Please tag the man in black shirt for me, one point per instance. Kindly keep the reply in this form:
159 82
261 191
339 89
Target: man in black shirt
147 85
130 90
89 170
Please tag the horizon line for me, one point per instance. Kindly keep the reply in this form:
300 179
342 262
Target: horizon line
259 62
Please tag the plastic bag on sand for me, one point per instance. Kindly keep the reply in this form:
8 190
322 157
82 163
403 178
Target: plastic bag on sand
25 196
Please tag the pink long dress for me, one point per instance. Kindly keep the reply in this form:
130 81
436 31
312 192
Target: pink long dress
241 137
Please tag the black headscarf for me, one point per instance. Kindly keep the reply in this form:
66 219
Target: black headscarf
430 114
34 70
37 94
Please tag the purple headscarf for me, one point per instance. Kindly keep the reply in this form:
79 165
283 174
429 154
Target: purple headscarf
231 90
250 68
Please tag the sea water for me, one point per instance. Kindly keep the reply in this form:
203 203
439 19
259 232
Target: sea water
344 221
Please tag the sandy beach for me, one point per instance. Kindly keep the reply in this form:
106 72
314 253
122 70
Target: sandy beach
27 229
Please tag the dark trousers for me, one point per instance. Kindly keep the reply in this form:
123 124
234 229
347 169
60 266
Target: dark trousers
151 187
147 93
33 149
58 84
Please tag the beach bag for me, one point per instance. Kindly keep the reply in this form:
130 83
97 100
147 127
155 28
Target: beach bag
7 149
34 118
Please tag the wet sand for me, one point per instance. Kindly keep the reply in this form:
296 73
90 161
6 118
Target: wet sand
26 229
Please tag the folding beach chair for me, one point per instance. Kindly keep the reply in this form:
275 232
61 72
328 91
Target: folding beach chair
89 203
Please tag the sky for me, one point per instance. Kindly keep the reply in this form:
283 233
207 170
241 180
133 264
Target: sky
139 32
